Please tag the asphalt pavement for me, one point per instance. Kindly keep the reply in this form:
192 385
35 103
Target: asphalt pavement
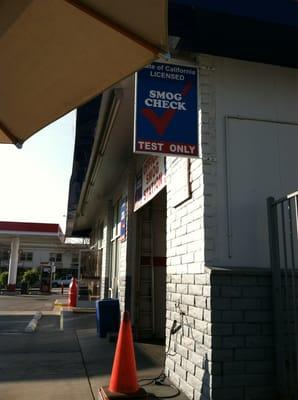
46 364
14 323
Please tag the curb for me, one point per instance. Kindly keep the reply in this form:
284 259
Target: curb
83 310
31 327
60 304
66 307
60 307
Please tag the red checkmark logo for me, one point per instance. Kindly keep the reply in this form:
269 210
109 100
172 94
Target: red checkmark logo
161 123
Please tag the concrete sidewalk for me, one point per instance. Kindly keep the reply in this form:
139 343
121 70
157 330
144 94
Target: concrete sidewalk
98 355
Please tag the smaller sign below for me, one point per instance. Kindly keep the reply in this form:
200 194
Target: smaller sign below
181 178
123 219
150 180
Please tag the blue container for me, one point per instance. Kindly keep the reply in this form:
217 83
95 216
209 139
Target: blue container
107 316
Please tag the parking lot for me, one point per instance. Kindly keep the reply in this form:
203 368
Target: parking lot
12 324
34 302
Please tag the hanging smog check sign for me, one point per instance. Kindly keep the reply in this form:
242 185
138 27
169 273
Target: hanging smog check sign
166 110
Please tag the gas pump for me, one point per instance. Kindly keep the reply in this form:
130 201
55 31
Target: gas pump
46 278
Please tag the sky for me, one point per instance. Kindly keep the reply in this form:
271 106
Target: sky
35 179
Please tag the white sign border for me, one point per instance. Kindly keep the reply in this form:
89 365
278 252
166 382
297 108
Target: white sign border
183 63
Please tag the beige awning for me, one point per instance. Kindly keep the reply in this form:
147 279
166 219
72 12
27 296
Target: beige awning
57 54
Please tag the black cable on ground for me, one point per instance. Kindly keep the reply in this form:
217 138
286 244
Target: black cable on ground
171 396
85 366
159 380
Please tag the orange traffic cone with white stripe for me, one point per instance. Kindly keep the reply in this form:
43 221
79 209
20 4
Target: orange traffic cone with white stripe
123 383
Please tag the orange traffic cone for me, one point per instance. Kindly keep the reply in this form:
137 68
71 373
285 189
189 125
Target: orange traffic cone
123 383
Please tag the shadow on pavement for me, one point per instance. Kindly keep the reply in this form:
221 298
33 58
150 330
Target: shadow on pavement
67 364
50 353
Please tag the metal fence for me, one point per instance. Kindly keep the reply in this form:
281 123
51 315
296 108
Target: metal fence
283 238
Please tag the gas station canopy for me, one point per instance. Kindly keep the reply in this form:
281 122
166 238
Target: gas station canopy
58 54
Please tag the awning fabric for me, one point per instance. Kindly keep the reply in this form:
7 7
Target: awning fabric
57 54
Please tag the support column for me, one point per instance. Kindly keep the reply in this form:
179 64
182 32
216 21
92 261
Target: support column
13 264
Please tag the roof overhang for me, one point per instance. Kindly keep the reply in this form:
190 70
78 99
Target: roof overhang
58 54
265 32
111 152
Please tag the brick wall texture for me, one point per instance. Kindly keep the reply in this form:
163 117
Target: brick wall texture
224 349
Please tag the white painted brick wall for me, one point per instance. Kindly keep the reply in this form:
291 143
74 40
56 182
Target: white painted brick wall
190 234
224 330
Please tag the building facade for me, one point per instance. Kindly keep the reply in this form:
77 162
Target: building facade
36 244
192 262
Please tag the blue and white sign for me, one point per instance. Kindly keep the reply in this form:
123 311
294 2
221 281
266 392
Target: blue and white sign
166 110
123 218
